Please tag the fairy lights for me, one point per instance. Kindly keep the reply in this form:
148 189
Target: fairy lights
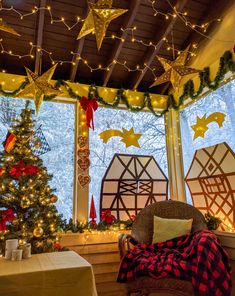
183 16
36 9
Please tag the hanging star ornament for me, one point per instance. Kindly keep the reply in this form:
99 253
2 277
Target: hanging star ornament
201 126
6 28
99 17
39 86
174 70
129 138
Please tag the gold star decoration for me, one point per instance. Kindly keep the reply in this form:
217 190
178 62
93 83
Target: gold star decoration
39 86
129 138
174 70
6 28
99 17
201 126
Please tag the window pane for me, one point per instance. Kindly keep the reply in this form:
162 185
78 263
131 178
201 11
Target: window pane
57 123
152 142
221 100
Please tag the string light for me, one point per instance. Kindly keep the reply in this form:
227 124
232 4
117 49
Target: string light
183 16
48 9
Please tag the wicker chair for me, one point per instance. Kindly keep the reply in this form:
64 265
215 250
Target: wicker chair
142 231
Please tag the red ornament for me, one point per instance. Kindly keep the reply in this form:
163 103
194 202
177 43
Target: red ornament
92 215
89 106
57 246
21 169
133 217
107 217
6 216
2 170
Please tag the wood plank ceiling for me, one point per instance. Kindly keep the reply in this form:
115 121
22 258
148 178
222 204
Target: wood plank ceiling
55 38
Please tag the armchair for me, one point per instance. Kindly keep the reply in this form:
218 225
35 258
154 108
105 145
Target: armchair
142 231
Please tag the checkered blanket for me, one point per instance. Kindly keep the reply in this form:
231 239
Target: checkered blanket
197 257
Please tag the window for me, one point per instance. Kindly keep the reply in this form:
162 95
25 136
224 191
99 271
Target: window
152 142
57 123
221 100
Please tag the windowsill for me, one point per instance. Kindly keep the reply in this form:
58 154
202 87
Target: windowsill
88 238
228 242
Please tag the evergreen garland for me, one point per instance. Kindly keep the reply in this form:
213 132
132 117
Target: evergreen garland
226 64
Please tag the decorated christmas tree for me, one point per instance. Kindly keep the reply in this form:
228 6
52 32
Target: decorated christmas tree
27 209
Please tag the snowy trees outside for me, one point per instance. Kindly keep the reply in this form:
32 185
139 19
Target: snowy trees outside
221 100
152 142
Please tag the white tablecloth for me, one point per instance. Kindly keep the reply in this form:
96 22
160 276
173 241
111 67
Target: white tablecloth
49 274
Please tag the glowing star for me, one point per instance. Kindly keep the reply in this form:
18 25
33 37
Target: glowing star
39 87
174 70
6 28
99 17
128 136
201 125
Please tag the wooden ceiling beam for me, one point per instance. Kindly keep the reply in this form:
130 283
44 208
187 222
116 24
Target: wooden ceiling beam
130 17
75 60
151 53
78 51
38 55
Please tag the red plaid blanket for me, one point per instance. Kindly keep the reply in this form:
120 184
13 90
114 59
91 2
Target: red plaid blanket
197 257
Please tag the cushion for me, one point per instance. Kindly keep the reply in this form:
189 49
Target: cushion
165 229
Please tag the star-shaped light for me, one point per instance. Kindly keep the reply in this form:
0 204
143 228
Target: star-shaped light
6 28
200 127
39 87
130 138
174 70
99 17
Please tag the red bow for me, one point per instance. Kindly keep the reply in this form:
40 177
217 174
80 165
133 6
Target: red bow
6 216
107 217
89 106
21 169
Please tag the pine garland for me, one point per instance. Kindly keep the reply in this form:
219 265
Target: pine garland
226 64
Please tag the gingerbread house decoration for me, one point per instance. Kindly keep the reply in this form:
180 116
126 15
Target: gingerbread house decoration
211 181
130 183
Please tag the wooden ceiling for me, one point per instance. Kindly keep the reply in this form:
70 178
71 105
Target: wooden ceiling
61 42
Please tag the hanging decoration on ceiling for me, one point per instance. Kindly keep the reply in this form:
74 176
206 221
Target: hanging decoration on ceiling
89 106
99 17
129 138
201 125
39 86
174 70
6 28
38 143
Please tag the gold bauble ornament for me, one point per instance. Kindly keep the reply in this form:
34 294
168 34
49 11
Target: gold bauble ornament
38 232
53 198
25 202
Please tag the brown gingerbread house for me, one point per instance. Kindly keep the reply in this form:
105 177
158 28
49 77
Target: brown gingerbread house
130 183
211 181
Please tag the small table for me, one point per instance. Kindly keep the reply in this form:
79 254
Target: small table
48 274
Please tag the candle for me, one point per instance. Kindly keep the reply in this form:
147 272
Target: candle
16 255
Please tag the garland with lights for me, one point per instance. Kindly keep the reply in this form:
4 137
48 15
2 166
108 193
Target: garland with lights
226 64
